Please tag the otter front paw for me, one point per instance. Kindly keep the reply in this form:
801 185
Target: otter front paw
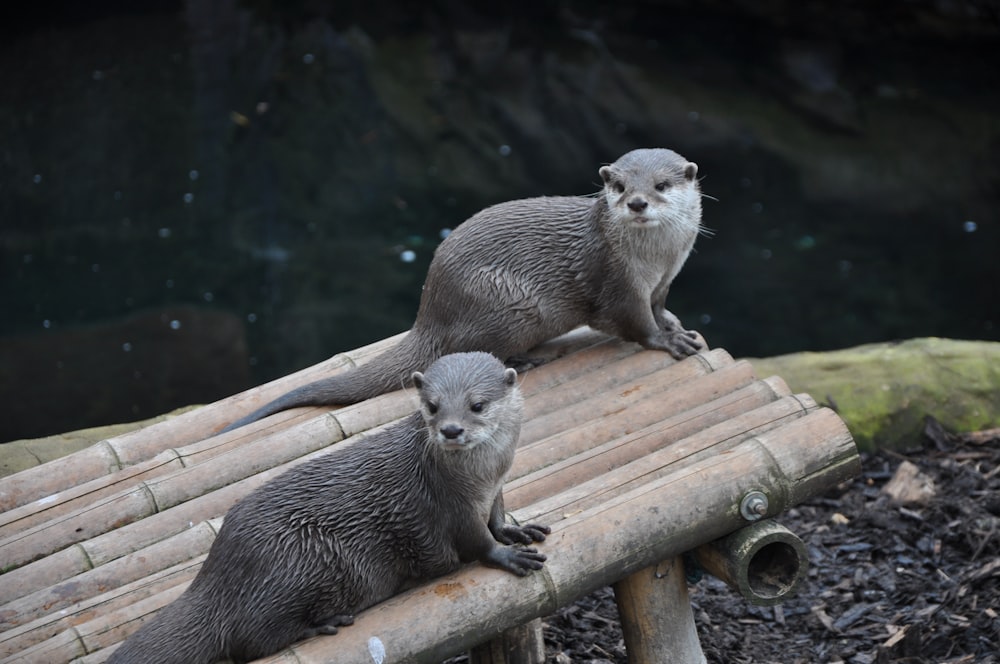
682 343
512 533
519 560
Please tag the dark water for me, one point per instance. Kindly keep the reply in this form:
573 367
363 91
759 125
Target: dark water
199 197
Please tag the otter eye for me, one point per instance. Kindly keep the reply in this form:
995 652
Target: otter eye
432 407
662 186
477 407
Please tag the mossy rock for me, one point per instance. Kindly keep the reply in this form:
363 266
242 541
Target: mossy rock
883 391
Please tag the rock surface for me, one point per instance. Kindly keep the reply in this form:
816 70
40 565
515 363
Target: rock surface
884 391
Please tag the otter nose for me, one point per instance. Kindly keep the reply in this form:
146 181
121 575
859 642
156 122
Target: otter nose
452 431
637 204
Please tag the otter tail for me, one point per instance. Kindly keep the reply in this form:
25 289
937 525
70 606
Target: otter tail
176 635
389 371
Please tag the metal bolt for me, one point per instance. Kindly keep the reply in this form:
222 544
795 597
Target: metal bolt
754 506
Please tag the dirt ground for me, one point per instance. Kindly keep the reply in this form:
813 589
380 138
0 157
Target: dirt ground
903 581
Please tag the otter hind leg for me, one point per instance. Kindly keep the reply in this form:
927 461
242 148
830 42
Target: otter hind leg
327 625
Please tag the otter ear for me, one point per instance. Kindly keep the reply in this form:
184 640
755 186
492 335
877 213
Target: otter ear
606 174
510 377
691 170
418 379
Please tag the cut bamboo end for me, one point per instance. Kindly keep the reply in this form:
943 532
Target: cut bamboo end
764 561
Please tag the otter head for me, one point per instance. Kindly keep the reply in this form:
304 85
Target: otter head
468 399
653 187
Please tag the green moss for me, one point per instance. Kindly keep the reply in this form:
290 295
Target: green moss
884 391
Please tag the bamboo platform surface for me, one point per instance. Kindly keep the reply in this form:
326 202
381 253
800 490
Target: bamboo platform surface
629 455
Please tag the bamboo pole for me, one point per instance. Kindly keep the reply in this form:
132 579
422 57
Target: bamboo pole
764 561
592 380
612 398
677 440
589 550
116 453
723 393
569 355
688 504
518 645
159 494
152 593
56 598
656 617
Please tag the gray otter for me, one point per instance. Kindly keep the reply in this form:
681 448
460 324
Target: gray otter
521 272
301 554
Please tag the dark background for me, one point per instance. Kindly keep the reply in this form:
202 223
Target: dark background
196 197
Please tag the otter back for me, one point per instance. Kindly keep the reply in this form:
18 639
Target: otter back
518 273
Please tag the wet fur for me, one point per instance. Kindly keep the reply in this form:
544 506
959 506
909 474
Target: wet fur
303 553
521 272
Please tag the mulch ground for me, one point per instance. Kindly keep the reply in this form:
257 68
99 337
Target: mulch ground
910 579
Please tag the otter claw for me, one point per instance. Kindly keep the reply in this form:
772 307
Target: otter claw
526 534
519 560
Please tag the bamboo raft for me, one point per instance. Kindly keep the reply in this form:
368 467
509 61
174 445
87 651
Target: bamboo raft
633 458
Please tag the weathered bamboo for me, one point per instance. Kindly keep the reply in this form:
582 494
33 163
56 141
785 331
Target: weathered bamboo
764 561
656 617
591 549
121 451
161 493
612 398
134 566
157 588
650 450
299 438
95 635
99 550
723 393
629 530
726 407
518 645
188 432
597 380
644 419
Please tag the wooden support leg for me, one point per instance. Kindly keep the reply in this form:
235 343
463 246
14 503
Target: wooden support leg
656 616
521 645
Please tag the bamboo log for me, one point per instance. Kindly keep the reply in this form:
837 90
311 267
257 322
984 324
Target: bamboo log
159 494
570 355
610 398
656 617
702 400
597 380
116 453
675 440
99 550
134 566
238 444
764 561
98 635
157 589
683 507
589 550
518 645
